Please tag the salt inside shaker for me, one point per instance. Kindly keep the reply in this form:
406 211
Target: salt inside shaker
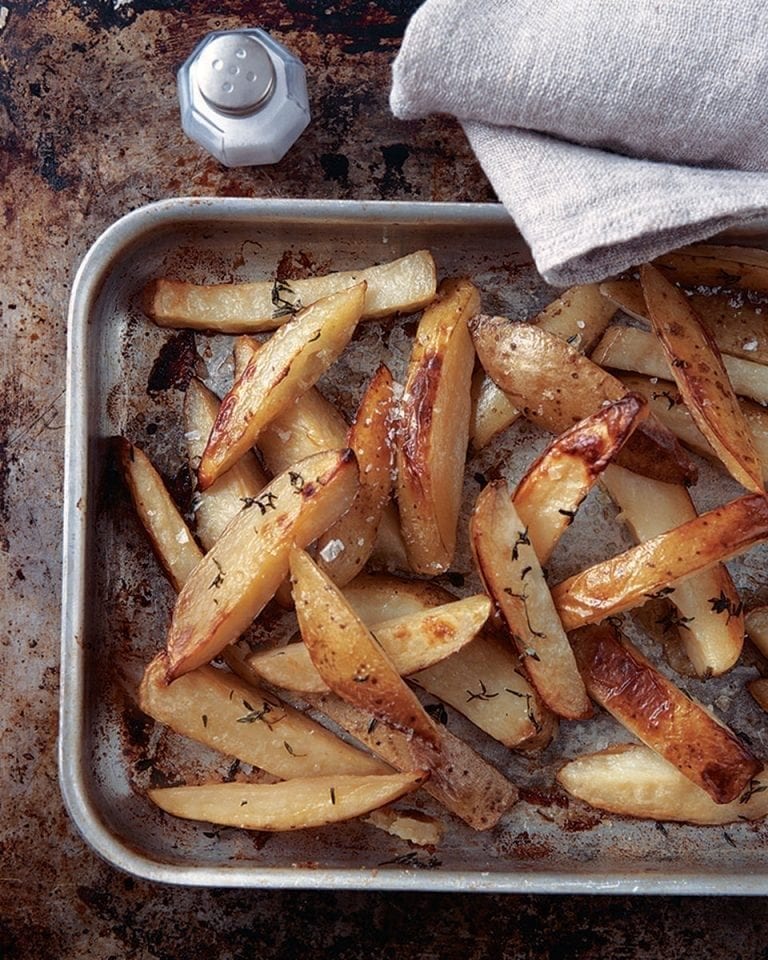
243 97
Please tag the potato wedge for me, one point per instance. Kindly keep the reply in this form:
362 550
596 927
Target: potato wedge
167 530
756 625
739 329
216 506
556 387
380 596
217 708
513 577
712 640
669 408
290 363
635 781
389 551
241 573
759 690
434 428
347 656
312 424
309 425
651 707
344 548
412 643
459 778
698 370
629 348
401 286
292 805
483 681
554 486
411 825
718 266
492 410
653 568
579 315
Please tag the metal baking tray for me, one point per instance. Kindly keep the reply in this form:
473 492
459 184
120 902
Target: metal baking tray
116 603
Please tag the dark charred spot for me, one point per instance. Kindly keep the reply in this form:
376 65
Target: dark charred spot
540 797
587 447
48 164
298 264
393 179
159 779
625 678
181 487
6 459
410 327
526 847
718 780
578 824
335 167
175 364
112 16
138 726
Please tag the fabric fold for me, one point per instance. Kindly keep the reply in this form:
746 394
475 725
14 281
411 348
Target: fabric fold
612 132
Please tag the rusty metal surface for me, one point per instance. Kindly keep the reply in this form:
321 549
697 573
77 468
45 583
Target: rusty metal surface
89 131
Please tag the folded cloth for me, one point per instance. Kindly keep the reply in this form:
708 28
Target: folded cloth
612 131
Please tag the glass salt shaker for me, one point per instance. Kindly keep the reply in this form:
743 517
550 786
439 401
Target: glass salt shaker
243 97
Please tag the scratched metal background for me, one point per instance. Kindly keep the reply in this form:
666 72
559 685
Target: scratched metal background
89 130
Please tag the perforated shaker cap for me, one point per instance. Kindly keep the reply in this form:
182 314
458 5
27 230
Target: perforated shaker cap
234 73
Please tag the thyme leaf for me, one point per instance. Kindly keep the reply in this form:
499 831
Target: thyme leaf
671 401
219 578
660 594
724 604
674 619
265 501
482 695
753 787
522 540
283 307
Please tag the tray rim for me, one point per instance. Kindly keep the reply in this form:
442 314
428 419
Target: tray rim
89 278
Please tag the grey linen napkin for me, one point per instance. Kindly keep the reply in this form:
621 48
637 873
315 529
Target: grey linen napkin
612 130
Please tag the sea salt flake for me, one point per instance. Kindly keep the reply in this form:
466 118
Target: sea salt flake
331 550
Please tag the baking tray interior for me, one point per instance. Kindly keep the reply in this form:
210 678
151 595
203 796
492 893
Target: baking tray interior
125 378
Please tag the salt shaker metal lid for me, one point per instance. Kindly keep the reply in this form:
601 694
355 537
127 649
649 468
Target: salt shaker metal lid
243 96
